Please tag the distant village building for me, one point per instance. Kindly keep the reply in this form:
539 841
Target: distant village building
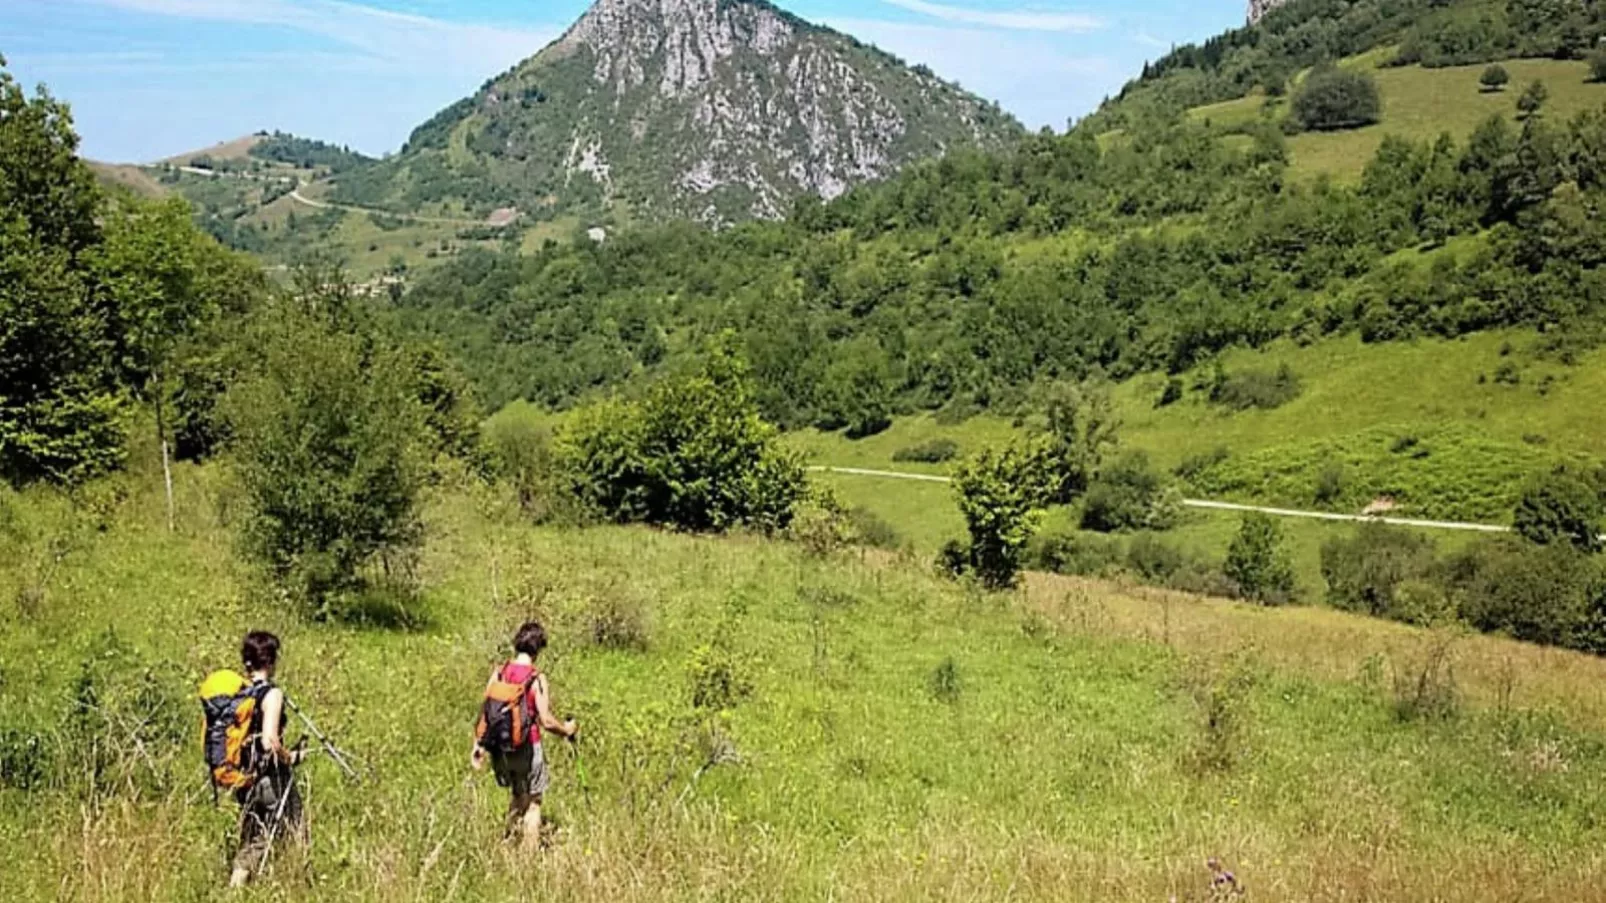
597 234
1259 8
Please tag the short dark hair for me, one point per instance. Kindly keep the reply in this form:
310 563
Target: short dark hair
260 650
530 639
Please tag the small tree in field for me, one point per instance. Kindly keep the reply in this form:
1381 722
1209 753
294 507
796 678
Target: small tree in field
1333 98
1533 99
1560 509
1494 79
1001 494
1258 561
693 454
330 448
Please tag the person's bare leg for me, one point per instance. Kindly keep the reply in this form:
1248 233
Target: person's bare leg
516 812
239 878
532 825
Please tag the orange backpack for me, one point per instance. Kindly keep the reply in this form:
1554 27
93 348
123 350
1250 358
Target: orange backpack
232 709
505 716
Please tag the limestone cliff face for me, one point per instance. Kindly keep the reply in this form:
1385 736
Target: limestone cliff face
719 110
1259 8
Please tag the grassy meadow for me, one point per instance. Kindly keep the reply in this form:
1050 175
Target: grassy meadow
1450 429
1420 104
886 735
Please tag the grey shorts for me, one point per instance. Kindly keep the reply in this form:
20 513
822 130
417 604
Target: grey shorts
524 772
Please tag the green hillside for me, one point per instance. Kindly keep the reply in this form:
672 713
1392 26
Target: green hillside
901 739
1419 104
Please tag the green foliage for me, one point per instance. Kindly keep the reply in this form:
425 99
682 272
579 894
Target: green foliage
306 153
1261 389
1494 78
60 416
1128 495
1543 594
693 453
1258 561
1597 65
1332 98
1001 493
1367 572
1561 508
936 451
946 683
523 457
330 449
1079 429
1533 99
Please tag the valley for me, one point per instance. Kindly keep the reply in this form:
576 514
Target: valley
1204 502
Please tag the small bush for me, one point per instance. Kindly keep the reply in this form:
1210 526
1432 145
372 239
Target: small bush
946 683
1001 496
1495 78
1330 483
693 454
1533 99
1077 554
1128 495
1541 594
1223 694
937 451
1597 66
718 678
1171 394
1195 466
1259 563
1561 508
1365 572
873 530
1425 687
1263 389
1333 98
619 623
1153 559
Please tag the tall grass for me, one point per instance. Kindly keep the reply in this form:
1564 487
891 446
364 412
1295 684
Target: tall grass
1059 761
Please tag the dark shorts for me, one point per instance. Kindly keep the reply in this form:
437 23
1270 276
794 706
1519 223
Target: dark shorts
524 772
270 811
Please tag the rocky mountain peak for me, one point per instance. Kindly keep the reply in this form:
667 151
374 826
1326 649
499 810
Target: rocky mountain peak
719 110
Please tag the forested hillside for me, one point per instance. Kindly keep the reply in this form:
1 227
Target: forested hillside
966 280
1268 55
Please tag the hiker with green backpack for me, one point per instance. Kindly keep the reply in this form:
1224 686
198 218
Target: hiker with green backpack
516 710
246 754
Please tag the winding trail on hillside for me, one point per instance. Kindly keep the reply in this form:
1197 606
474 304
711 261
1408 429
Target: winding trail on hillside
1218 506
298 197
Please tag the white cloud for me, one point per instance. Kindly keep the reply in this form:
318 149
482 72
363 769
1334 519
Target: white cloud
1149 40
400 39
1033 76
1022 20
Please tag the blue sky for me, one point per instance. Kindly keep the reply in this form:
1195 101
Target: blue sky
150 78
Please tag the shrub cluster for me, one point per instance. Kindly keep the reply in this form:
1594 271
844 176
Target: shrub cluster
936 451
693 454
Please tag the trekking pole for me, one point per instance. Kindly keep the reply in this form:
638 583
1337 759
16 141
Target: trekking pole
329 748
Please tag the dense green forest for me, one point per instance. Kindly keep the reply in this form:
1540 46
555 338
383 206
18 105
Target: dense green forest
963 282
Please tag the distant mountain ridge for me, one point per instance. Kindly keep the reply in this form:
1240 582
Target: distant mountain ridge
718 110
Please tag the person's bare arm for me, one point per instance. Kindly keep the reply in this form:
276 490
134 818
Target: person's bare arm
476 756
273 728
543 709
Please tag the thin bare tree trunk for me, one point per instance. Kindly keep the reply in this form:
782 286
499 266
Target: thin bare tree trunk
167 467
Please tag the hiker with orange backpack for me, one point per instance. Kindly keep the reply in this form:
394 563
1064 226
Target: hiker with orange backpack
247 756
517 709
